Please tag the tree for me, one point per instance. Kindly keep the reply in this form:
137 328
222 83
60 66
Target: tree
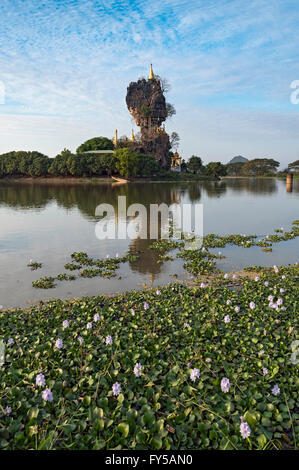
294 166
126 162
215 169
170 110
234 169
260 167
194 164
97 143
174 140
147 165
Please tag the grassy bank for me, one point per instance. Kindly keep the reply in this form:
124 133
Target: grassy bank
174 335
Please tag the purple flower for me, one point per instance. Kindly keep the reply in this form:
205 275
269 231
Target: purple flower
7 410
281 290
40 380
89 326
261 352
145 305
226 319
276 390
283 276
65 324
186 325
138 369
158 292
257 278
96 317
266 283
133 311
1 307
265 371
10 341
271 298
252 305
228 302
275 269
47 395
116 389
235 276
202 285
244 429
195 373
225 384
237 309
59 343
109 340
225 276
279 301
80 339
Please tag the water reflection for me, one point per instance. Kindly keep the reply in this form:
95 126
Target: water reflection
48 221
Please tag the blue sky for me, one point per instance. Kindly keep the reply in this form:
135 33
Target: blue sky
65 65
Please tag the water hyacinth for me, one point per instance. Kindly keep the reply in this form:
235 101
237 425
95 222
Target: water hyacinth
257 278
237 309
276 270
265 371
202 285
266 283
89 326
10 341
226 319
158 292
65 324
194 374
228 302
59 343
7 410
244 429
271 298
116 389
40 380
109 340
80 339
279 301
145 305
225 384
281 290
133 312
138 369
275 390
225 276
96 317
47 395
186 325
252 305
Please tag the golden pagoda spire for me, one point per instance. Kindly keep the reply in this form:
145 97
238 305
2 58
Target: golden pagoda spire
151 74
115 138
132 136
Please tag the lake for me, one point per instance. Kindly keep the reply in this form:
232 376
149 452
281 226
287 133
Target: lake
47 221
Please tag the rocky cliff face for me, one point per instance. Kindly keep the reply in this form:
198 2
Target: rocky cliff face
147 105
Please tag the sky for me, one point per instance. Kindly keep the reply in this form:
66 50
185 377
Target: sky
65 66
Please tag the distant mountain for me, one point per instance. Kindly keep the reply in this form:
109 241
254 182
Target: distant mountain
238 159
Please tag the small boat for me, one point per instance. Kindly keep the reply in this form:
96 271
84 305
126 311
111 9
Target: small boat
120 180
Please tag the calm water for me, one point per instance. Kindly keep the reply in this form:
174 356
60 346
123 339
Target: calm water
46 222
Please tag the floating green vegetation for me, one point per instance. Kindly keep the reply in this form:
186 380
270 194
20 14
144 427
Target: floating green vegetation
197 263
66 277
296 222
44 283
34 266
72 266
99 267
177 368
